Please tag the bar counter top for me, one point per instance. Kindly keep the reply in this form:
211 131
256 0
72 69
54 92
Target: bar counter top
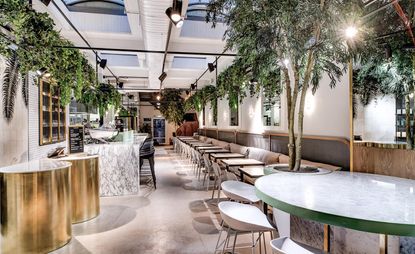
35 166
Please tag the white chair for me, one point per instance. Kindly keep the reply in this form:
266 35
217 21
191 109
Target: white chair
285 245
242 218
239 191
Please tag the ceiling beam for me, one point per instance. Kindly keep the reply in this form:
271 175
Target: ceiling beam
149 51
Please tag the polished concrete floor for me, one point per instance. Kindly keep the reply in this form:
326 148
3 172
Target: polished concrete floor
178 217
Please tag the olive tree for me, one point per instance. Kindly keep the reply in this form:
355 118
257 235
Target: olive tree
304 38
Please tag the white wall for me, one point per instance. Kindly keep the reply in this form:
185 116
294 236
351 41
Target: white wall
326 112
376 121
13 134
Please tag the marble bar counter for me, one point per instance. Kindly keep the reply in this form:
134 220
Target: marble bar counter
119 165
35 206
84 186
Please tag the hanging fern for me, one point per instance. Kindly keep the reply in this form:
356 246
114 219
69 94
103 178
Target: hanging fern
25 89
10 83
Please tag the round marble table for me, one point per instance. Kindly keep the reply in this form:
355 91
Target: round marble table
365 202
35 206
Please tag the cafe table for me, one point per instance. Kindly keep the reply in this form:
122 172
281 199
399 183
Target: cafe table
219 156
378 204
200 148
195 145
251 171
243 162
209 151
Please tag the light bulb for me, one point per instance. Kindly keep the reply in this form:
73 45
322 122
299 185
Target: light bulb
175 17
180 23
351 32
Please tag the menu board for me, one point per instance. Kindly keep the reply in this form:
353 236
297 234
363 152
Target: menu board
76 139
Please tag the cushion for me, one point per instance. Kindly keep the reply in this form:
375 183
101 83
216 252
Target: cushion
202 138
223 144
263 155
208 140
235 148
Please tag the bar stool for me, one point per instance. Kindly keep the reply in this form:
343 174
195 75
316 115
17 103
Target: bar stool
285 245
147 152
242 218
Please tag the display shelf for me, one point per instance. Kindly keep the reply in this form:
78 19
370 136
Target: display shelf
52 115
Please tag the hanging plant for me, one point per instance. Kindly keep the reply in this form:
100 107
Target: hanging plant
34 42
103 96
172 106
10 83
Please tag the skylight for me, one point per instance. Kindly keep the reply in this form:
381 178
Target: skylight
181 62
112 7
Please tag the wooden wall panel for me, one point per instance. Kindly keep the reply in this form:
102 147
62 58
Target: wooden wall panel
384 161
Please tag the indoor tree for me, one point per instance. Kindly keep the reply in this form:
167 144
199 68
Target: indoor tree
172 106
302 38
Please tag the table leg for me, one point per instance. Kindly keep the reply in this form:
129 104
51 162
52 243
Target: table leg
326 243
383 244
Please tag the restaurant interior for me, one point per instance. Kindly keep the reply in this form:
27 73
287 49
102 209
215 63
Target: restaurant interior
207 126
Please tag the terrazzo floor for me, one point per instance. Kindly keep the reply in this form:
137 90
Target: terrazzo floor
178 217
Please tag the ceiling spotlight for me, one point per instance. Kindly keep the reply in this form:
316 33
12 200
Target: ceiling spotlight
187 92
130 96
43 72
351 32
211 67
158 97
102 63
46 2
179 23
175 13
193 86
163 76
120 85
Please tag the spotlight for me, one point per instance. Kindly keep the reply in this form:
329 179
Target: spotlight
163 76
102 63
46 2
43 72
158 97
187 92
120 85
211 67
388 51
253 81
351 32
175 13
130 96
193 86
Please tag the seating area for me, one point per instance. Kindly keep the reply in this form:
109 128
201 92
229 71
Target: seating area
242 212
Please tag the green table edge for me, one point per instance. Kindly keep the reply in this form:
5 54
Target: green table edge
337 220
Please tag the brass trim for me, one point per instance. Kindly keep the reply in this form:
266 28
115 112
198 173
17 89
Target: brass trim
326 242
85 189
35 211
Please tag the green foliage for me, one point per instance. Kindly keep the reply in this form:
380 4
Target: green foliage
172 106
378 75
103 96
34 35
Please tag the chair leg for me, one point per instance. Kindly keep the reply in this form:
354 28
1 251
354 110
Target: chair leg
234 242
220 234
253 244
226 240
213 190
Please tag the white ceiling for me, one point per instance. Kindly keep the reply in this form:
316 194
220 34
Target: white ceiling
144 26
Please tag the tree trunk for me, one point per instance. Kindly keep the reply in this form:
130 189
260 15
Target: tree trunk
409 144
298 141
290 118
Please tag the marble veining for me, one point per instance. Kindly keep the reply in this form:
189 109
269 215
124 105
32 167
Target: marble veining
354 195
118 167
